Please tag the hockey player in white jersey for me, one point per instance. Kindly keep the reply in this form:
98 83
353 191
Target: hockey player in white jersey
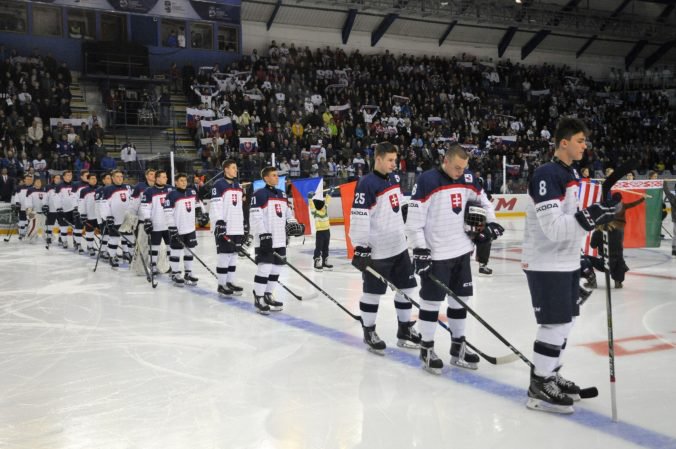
141 187
21 204
52 207
179 210
152 214
107 180
436 230
551 261
86 207
227 212
269 214
65 206
378 234
75 198
114 206
36 200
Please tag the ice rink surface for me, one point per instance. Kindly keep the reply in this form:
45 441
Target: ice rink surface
103 361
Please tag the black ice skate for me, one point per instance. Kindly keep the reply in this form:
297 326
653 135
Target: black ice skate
261 307
48 242
318 264
431 362
236 289
80 249
371 338
105 255
114 263
190 279
156 271
485 271
126 257
92 252
591 281
274 305
546 396
461 356
326 265
407 336
567 387
177 279
224 291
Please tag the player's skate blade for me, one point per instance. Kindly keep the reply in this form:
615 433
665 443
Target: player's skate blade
544 406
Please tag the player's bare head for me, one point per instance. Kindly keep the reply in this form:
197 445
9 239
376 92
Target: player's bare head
230 169
181 180
570 138
84 175
161 177
270 176
67 175
455 162
91 177
117 176
28 179
106 178
37 183
150 175
386 157
57 179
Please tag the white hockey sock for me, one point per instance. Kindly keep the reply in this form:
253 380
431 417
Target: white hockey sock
175 259
154 254
273 278
403 306
222 268
427 319
77 236
22 227
457 316
559 362
112 246
368 306
547 347
232 266
187 260
261 278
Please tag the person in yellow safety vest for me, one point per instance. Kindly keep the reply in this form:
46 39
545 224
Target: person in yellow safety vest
320 212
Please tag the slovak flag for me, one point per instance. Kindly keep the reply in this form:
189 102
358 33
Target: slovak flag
589 193
302 191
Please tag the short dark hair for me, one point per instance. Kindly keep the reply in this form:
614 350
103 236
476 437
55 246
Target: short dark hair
179 176
104 174
114 172
267 170
84 172
27 175
150 170
567 128
228 162
92 175
384 148
67 171
159 172
456 150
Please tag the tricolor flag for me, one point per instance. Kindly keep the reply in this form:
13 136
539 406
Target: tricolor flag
346 199
644 221
248 145
193 115
302 191
590 193
217 128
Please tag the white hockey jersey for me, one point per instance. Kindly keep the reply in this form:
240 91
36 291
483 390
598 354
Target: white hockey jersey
136 200
375 218
115 202
20 197
268 215
436 213
552 236
87 203
98 199
64 197
152 206
226 205
35 199
75 191
52 197
179 209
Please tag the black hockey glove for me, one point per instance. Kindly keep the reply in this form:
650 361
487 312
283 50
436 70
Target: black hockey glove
110 222
148 226
266 244
597 214
361 258
203 220
494 230
173 234
220 231
15 208
45 209
422 261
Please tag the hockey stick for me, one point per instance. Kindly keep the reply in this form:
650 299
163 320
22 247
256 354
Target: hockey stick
663 228
98 256
611 341
298 297
352 315
11 228
493 360
199 260
143 262
150 259
585 393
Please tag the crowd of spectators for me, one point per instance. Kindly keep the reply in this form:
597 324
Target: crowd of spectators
326 109
34 91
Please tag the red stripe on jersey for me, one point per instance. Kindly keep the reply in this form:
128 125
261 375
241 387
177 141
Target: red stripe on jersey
281 200
383 192
451 186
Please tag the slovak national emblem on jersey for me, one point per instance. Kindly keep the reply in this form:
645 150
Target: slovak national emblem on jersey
456 203
234 199
278 210
188 206
123 197
394 202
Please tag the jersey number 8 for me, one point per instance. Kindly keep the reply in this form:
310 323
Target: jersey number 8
543 188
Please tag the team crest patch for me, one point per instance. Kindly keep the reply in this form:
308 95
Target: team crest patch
278 210
456 203
188 206
468 178
394 202
123 197
234 199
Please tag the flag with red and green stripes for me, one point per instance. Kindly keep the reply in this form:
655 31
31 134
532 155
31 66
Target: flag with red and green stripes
644 221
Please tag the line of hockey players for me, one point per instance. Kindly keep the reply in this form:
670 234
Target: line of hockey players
447 215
